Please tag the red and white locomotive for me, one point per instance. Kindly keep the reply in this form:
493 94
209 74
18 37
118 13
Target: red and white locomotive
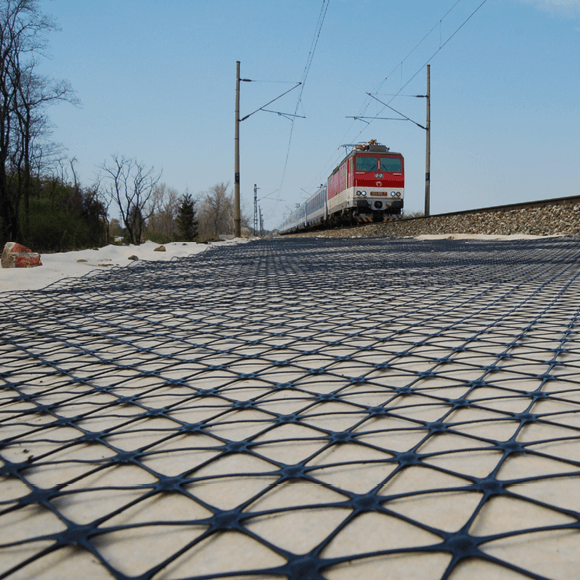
368 185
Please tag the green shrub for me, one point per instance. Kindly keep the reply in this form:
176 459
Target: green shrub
52 228
157 237
64 217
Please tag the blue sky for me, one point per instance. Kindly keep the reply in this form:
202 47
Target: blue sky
157 82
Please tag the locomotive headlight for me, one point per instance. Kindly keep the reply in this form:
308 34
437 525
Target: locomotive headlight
358 192
393 194
363 193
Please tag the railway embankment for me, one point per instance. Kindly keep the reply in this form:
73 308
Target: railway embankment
547 220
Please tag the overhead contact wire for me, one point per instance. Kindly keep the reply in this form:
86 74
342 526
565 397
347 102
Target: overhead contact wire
313 45
367 101
422 66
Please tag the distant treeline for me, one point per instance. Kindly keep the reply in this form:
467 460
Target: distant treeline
67 216
42 204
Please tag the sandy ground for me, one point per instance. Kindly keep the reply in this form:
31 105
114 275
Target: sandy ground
133 356
62 265
75 264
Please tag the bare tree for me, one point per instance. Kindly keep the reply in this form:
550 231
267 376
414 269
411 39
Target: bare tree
115 229
33 94
162 223
24 95
131 186
217 211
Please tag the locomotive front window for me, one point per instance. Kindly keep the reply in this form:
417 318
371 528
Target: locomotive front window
366 163
391 164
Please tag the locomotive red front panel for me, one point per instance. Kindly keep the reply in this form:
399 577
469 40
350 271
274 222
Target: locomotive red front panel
367 175
379 172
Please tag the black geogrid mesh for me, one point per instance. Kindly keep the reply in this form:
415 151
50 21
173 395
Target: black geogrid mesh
299 409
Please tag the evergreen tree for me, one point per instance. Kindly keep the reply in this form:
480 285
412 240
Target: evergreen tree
186 220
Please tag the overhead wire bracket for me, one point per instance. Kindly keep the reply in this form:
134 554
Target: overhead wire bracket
287 115
376 119
270 102
398 112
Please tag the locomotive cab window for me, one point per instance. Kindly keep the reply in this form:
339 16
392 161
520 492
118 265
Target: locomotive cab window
391 164
366 163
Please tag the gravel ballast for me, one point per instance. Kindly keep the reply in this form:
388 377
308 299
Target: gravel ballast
537 221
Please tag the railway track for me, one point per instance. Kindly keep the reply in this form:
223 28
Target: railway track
559 201
481 221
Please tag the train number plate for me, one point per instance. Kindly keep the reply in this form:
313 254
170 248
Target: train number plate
378 193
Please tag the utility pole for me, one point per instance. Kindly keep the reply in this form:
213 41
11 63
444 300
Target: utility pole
237 220
237 224
261 224
428 146
256 209
427 130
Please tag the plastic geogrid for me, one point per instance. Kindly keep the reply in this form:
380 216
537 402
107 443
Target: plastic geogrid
297 408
